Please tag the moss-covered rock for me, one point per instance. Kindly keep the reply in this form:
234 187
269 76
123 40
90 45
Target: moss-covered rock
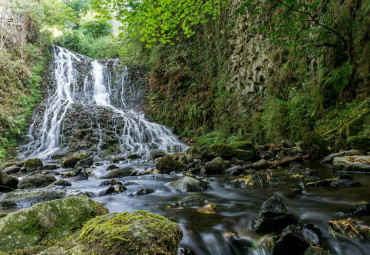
71 161
7 182
222 150
133 156
167 164
359 142
189 184
36 181
130 233
158 154
215 166
49 220
244 145
314 145
33 164
241 150
317 251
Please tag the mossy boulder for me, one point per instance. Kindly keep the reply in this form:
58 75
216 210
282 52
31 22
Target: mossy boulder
189 184
33 164
222 150
71 161
158 154
215 166
130 233
36 181
241 150
314 145
8 182
243 145
48 220
359 142
167 164
133 156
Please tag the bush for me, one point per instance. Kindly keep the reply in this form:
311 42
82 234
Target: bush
97 28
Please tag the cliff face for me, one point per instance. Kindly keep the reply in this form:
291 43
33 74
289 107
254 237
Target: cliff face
232 80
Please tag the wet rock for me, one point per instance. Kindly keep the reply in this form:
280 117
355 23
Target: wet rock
118 159
49 220
36 181
85 163
121 172
287 143
158 154
352 163
350 227
191 200
167 164
189 184
215 166
317 251
329 159
261 164
286 161
32 165
235 170
112 167
12 169
314 145
110 190
344 183
359 210
241 150
322 183
63 183
8 182
133 156
208 209
130 183
80 174
144 192
50 167
273 217
72 161
295 239
29 197
343 176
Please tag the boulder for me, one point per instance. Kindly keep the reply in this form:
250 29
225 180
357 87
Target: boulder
44 221
344 183
241 150
235 170
8 182
79 174
117 159
191 200
167 164
352 163
215 166
189 184
12 169
273 217
36 181
144 192
314 145
133 157
358 210
287 143
32 165
85 163
29 197
112 167
329 159
72 161
121 172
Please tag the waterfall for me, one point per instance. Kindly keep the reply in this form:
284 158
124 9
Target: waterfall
82 94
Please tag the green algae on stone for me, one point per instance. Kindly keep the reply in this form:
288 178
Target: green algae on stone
71 161
44 221
33 164
168 164
131 233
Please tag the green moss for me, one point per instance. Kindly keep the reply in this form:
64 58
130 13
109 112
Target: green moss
224 151
168 164
158 154
314 145
129 233
34 163
71 161
133 156
359 142
316 251
243 145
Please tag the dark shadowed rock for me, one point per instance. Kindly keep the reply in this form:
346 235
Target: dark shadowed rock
112 167
85 163
344 183
12 169
50 167
8 182
36 181
189 184
62 182
273 217
144 192
261 164
235 170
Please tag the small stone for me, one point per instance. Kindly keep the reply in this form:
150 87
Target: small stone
144 192
215 166
189 184
62 182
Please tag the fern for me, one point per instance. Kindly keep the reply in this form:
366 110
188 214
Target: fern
339 77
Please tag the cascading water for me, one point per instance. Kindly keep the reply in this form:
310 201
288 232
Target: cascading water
83 86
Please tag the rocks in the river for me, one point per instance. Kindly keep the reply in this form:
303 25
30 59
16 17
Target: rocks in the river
49 220
144 192
8 182
336 181
295 239
358 210
191 200
117 159
352 163
79 174
235 170
189 184
63 183
12 169
329 159
112 167
158 154
85 163
260 178
33 164
131 233
287 161
110 190
261 164
70 162
50 167
36 181
208 209
215 166
29 197
121 172
273 217
350 227
133 157
344 183
168 164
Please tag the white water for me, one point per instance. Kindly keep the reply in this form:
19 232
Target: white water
138 135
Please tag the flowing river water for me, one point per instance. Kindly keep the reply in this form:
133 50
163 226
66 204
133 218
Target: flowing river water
229 231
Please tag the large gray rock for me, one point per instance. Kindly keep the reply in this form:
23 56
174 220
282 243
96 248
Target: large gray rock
329 159
8 182
273 217
215 166
352 163
189 184
49 220
36 181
